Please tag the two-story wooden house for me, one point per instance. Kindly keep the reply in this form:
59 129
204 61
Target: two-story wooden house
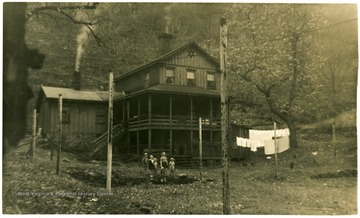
164 100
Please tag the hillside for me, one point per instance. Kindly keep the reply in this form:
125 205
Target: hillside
125 35
344 120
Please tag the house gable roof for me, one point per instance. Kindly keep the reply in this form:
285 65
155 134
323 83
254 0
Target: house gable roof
167 55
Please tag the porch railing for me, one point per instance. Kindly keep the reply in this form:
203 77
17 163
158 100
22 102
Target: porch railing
164 120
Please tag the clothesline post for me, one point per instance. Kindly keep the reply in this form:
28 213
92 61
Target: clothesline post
276 151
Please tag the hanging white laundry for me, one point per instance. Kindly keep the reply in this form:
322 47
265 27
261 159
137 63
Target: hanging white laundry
238 141
260 134
245 143
267 134
269 147
253 145
283 144
242 142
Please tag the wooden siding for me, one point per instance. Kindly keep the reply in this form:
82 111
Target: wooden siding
182 62
82 118
137 81
44 118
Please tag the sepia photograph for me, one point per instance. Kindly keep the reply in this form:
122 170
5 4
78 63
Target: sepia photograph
180 108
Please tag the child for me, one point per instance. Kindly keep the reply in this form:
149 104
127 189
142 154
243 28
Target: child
145 162
151 167
155 166
172 167
163 167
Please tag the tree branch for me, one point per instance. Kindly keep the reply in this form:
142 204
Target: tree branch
59 9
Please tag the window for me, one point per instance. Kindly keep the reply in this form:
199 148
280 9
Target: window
210 78
190 77
100 117
147 80
170 76
65 115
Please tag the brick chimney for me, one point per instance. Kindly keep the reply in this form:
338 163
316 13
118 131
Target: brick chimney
76 83
165 40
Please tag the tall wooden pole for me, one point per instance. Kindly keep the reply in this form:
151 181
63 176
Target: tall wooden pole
224 116
276 151
60 136
110 127
34 136
200 147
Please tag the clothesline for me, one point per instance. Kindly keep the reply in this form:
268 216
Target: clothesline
267 134
269 145
265 138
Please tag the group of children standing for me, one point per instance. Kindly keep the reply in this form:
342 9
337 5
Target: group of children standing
151 165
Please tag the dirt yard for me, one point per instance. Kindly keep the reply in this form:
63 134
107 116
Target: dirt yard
311 181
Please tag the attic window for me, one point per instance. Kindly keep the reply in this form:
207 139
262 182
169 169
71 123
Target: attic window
190 78
170 76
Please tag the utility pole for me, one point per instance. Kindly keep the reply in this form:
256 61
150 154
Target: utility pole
224 116
110 127
200 147
60 135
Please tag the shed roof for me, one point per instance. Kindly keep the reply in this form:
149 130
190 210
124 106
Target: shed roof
79 95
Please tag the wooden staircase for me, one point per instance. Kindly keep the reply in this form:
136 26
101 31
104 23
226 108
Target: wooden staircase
99 144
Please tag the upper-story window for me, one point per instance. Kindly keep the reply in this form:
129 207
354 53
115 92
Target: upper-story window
210 78
147 80
190 78
170 76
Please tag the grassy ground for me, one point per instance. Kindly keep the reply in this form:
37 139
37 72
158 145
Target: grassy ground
316 185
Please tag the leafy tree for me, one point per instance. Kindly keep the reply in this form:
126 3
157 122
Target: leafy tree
274 52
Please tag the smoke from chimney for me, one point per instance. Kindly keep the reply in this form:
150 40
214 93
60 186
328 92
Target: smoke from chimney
81 39
167 17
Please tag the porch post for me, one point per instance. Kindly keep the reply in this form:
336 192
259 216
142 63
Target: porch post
149 123
123 112
137 142
191 111
170 110
139 111
211 111
191 124
128 120
137 131
170 120
171 142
